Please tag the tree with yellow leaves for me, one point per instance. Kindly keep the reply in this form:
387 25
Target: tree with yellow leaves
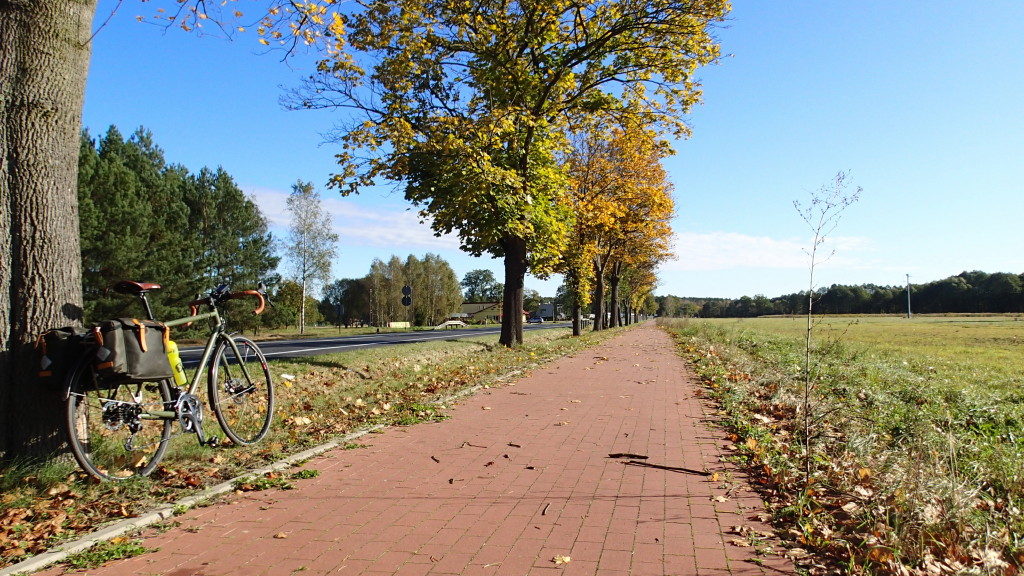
467 103
623 201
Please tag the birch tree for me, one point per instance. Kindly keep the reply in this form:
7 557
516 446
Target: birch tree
311 244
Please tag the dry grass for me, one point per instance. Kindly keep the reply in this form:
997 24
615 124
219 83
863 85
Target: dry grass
919 427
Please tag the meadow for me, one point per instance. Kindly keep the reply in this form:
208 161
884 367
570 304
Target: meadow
898 449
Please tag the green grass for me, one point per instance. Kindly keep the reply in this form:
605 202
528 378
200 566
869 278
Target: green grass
917 433
985 350
116 549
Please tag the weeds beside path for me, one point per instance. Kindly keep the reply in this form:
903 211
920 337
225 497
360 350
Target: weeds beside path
43 505
918 469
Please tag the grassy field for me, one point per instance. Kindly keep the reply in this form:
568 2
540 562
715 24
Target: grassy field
980 350
43 504
916 429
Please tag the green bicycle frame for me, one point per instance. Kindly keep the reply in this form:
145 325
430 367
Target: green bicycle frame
217 331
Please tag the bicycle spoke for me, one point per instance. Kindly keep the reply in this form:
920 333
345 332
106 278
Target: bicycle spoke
241 392
110 432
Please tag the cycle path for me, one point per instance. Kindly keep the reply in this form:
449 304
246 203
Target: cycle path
519 479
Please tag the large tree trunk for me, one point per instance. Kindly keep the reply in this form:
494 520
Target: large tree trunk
44 58
577 319
512 300
598 297
613 285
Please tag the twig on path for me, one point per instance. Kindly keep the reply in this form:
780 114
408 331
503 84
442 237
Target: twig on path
669 468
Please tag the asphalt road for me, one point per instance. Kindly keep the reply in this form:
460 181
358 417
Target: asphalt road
313 346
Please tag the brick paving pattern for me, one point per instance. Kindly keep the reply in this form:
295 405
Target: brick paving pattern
518 476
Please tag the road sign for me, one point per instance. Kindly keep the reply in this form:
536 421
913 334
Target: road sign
406 300
406 291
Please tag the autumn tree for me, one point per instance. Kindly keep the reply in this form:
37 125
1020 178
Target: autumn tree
623 197
467 104
311 244
44 56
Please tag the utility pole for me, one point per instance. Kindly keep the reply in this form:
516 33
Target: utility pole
908 296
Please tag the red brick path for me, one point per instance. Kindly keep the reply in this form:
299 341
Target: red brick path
518 476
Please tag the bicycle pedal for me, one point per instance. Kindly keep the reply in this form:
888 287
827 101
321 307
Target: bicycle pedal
212 442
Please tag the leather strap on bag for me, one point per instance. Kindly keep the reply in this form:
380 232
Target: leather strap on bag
142 334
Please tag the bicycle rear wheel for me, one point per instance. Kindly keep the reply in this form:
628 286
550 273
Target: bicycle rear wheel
110 429
241 392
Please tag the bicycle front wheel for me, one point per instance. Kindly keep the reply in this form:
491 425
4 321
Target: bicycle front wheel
111 428
241 392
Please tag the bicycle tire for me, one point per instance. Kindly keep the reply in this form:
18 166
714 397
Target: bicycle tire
108 437
241 390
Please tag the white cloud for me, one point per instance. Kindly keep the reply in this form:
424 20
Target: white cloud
731 250
358 225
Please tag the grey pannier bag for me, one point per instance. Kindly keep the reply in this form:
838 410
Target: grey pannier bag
57 350
132 350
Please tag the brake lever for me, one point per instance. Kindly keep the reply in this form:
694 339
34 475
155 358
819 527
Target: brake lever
262 289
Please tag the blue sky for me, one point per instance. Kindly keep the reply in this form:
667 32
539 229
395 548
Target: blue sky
921 102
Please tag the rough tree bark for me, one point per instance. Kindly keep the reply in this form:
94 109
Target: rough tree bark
598 296
512 300
613 288
44 59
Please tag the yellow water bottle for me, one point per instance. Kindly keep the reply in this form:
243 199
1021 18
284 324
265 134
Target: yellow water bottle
175 359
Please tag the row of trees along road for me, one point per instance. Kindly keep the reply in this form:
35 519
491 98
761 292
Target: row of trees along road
191 232
623 199
376 298
468 104
142 219
967 292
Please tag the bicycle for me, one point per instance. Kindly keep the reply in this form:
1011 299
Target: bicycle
121 430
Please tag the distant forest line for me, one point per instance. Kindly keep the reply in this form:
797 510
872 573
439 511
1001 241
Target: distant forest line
967 292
